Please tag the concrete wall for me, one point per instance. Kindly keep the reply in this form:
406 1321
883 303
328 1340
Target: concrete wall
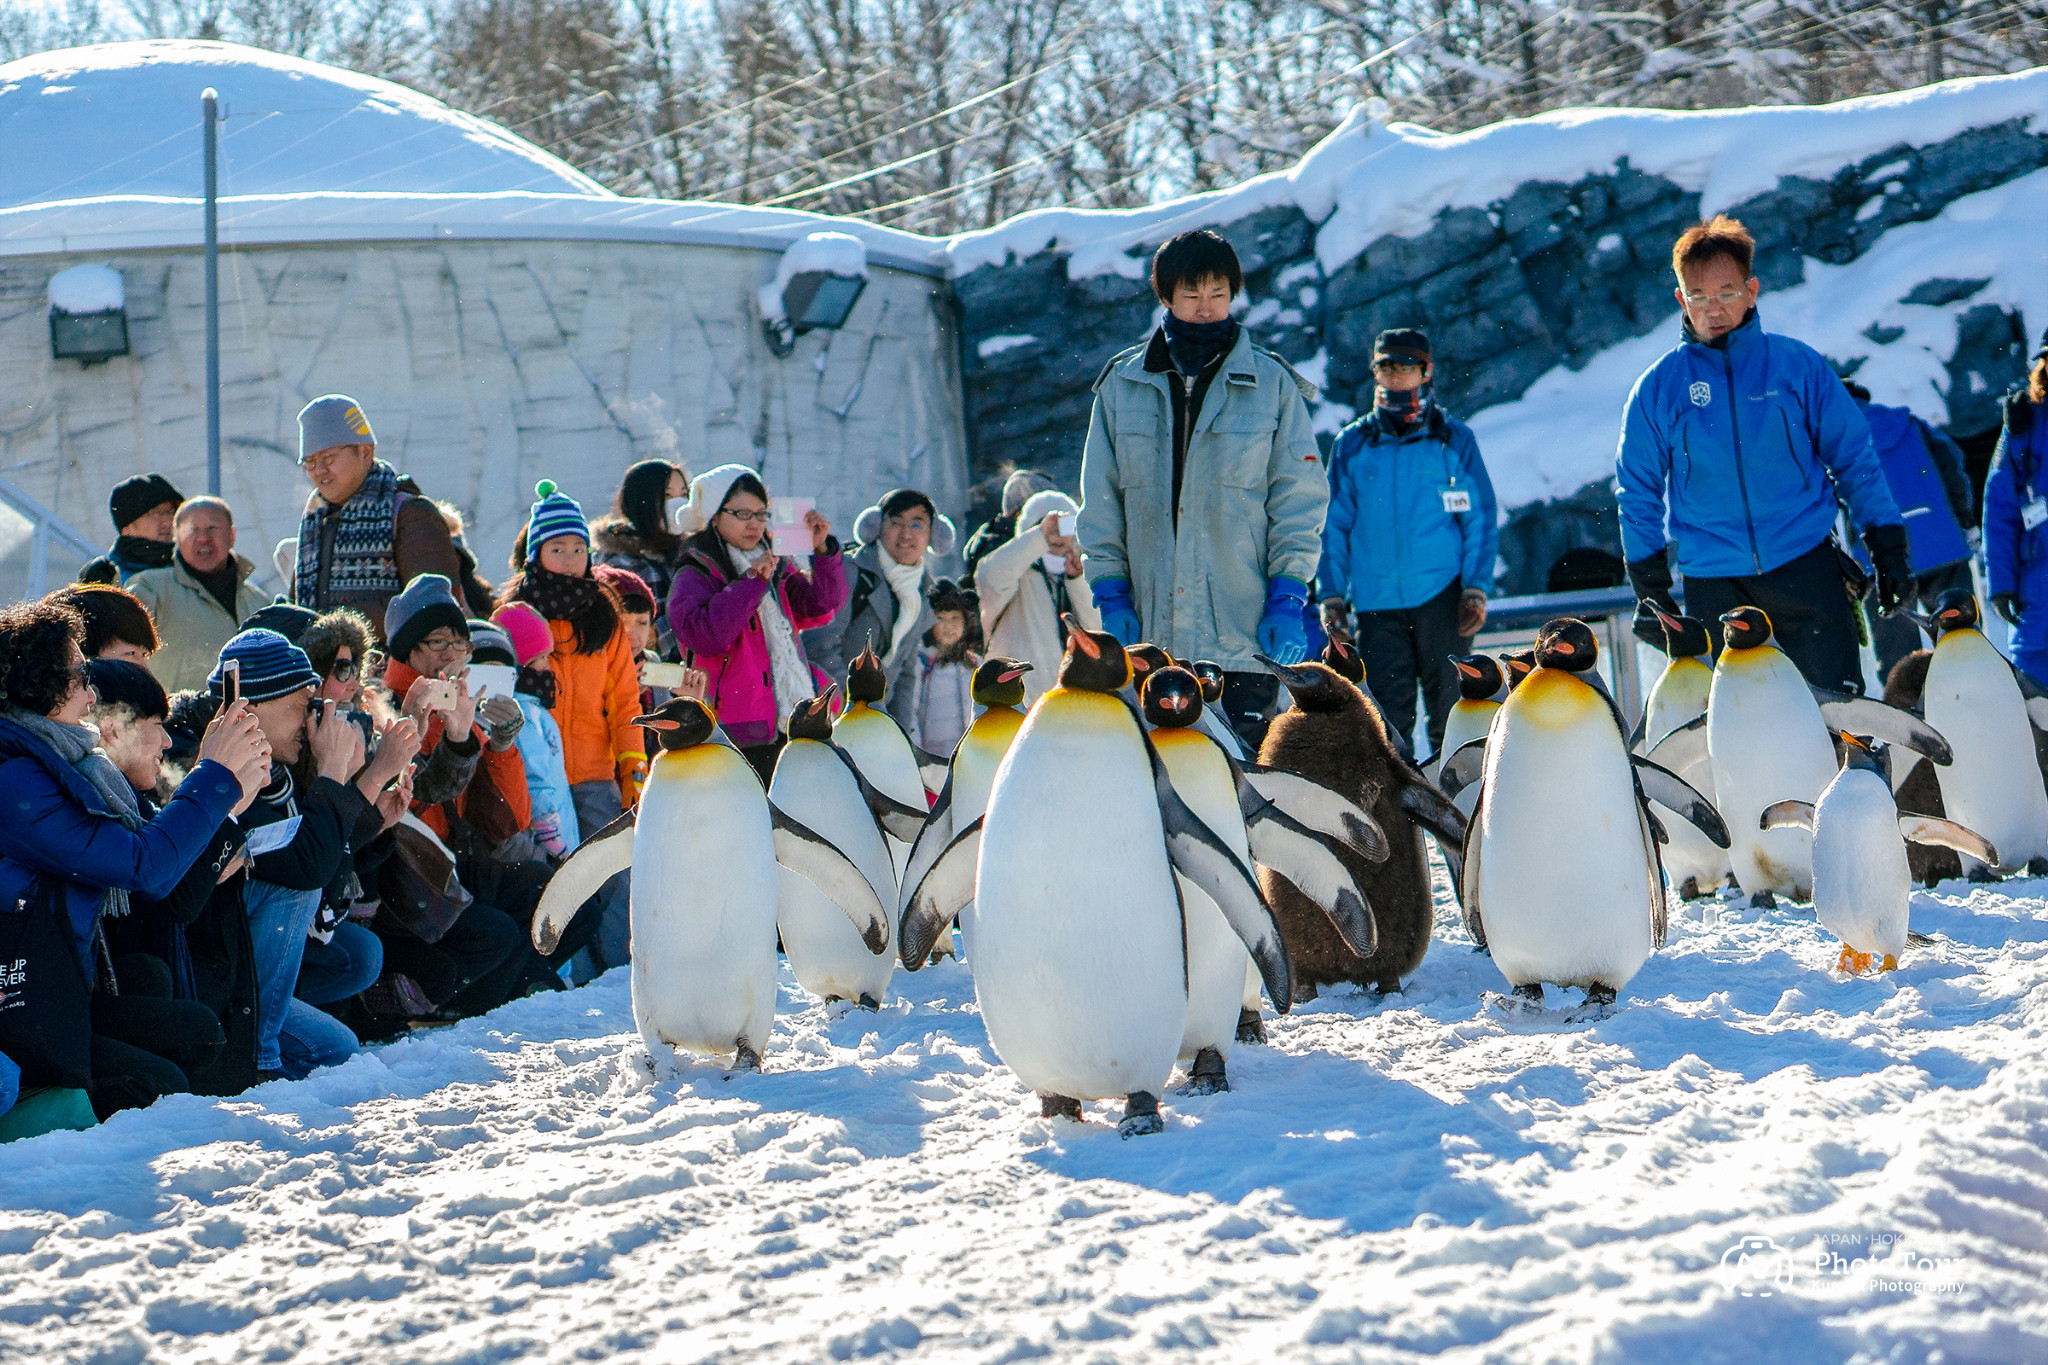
484 366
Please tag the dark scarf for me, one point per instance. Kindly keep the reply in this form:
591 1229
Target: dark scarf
140 552
585 603
1197 345
222 583
365 542
542 687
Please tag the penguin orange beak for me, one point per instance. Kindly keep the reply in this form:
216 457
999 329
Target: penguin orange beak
656 723
1012 674
1077 636
1466 669
1563 647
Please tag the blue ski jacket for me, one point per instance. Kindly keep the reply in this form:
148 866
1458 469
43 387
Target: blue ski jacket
1391 540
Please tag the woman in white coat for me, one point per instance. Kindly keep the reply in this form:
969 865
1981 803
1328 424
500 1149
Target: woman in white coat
1027 583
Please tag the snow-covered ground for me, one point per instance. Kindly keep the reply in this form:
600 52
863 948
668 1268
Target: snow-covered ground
1387 1182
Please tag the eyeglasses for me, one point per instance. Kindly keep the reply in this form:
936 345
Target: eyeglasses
908 524
342 670
446 644
325 460
760 515
1396 366
1724 298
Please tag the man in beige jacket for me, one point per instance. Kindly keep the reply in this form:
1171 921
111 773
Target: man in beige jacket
201 598
1027 581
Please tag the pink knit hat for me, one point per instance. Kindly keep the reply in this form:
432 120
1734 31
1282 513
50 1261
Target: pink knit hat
527 629
625 583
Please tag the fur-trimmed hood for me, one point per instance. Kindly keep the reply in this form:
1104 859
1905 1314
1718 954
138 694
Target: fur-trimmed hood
612 534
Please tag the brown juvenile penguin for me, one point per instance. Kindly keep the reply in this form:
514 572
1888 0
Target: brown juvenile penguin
1334 734
1920 792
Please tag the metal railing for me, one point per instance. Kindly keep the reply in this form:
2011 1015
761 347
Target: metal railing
48 526
1522 616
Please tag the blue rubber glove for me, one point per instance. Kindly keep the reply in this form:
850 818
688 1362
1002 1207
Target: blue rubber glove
1119 615
1283 637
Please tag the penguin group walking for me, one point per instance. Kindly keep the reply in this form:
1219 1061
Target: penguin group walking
1127 883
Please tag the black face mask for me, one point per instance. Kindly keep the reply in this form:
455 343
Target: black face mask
1400 407
1195 345
538 684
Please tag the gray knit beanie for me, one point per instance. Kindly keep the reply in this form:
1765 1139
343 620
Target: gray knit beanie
333 419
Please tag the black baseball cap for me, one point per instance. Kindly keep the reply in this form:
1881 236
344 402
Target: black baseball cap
1402 343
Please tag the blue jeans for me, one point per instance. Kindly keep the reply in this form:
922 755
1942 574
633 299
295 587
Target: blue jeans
350 964
279 920
312 1038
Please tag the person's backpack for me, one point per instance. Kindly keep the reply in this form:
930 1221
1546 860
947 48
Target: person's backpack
45 993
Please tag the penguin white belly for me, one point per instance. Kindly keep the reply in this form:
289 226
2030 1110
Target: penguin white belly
1994 786
882 752
1862 887
1680 697
1075 928
703 942
1469 720
1768 744
1217 959
1564 871
825 951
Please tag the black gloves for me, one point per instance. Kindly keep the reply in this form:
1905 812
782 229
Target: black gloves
2007 604
1650 576
1887 546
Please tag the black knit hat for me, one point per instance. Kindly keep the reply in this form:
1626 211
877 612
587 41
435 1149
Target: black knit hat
134 498
120 683
1402 343
286 618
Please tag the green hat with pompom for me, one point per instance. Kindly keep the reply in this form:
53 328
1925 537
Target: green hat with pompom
555 514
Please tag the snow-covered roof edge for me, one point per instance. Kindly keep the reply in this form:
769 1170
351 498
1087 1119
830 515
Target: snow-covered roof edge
1369 179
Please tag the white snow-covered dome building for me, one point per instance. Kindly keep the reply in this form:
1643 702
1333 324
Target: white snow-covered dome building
501 317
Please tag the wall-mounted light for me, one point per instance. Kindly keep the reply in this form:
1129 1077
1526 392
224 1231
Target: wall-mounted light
88 314
816 284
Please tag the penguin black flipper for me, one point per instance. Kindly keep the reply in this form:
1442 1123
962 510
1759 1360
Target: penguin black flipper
1306 802
1467 878
938 897
930 846
1462 768
933 770
1432 810
1638 735
811 856
1197 854
1928 829
596 861
1680 748
1894 725
1678 796
1790 815
2035 694
895 818
1292 850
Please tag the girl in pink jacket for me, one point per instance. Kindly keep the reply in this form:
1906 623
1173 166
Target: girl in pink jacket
730 623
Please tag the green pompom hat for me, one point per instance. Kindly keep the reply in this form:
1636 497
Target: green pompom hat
554 514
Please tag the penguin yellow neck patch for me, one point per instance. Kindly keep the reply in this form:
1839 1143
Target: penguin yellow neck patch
1552 697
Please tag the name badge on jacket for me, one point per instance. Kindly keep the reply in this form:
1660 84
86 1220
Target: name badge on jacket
2034 513
1456 499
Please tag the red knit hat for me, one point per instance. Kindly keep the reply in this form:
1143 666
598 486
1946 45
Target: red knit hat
527 629
627 585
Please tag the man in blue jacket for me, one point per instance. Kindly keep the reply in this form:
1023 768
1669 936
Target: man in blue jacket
1924 470
2016 520
1736 445
1411 536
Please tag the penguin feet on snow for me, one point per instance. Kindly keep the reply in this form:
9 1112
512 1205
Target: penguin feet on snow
1141 1116
2037 867
1985 876
1531 991
1763 900
1599 1004
744 1058
1251 1028
1059 1107
1207 1076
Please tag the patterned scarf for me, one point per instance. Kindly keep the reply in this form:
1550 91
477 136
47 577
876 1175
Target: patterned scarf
365 542
788 674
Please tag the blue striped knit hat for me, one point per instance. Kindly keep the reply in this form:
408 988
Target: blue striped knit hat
556 514
272 666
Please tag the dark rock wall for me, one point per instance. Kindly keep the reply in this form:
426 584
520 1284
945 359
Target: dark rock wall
1550 275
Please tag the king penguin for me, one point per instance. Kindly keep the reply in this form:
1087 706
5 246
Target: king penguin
704 963
1072 910
817 786
1987 710
1862 886
1481 686
1257 829
1695 865
1334 736
880 749
1561 866
1767 733
999 691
